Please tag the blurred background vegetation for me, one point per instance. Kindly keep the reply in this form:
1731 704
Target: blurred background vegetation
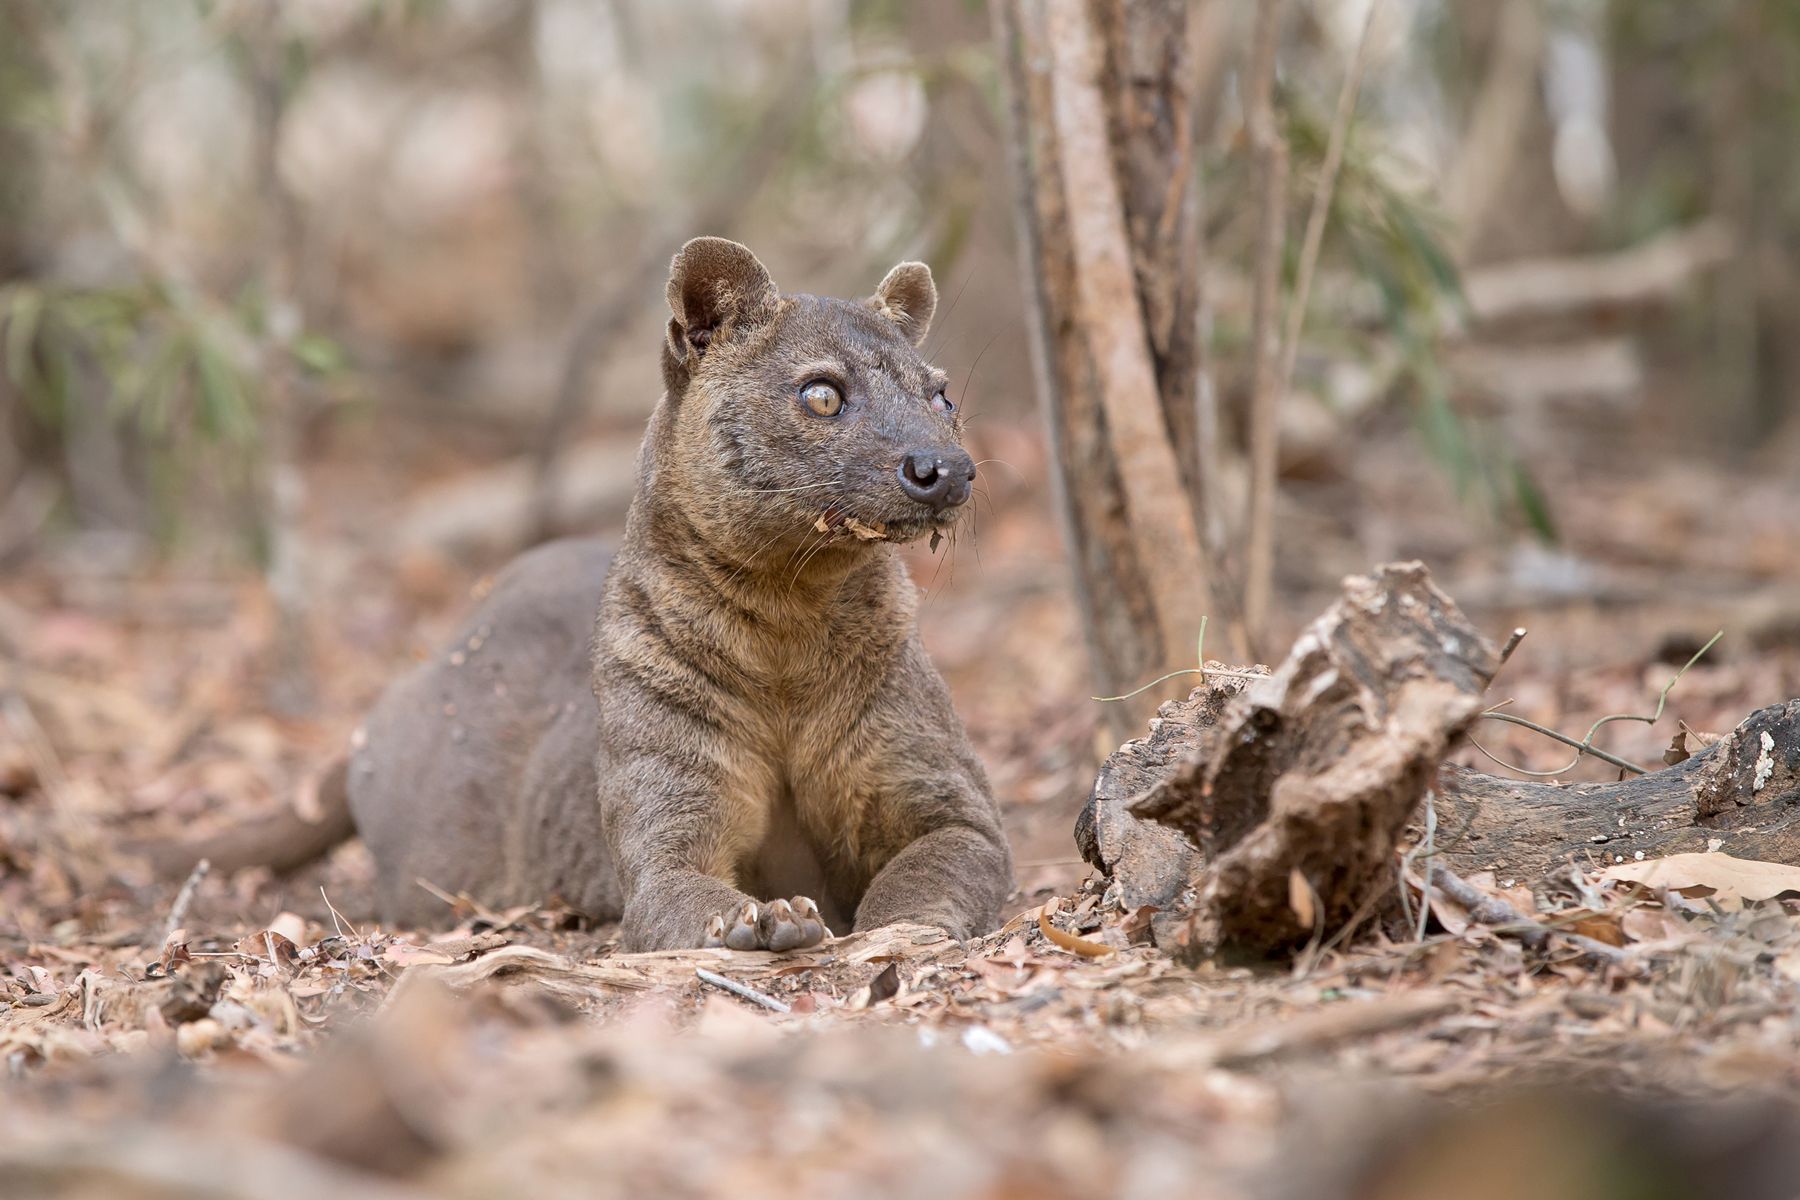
269 266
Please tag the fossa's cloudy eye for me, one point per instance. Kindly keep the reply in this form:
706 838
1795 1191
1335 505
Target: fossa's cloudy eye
823 399
941 403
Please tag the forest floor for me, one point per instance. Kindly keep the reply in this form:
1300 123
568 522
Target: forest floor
261 1037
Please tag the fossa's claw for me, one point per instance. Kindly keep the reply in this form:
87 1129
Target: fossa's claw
778 929
743 932
812 926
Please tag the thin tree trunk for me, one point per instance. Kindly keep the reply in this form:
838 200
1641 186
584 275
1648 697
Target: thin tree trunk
1108 229
1490 145
1270 152
1207 37
291 684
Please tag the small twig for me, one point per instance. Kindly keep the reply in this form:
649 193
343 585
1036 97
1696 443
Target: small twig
142 1158
1314 237
1484 909
183 898
1212 671
439 892
1202 671
1584 747
742 991
1512 643
1663 696
1355 922
338 921
1331 1025
1503 918
1428 848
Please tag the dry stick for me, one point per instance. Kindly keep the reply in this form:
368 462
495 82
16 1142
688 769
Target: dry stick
1265 423
141 1159
1575 288
1329 1026
1502 917
1429 847
1165 538
1321 205
743 991
1586 745
337 919
183 898
1271 152
1565 739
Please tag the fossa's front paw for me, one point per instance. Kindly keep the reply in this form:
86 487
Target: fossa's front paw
777 925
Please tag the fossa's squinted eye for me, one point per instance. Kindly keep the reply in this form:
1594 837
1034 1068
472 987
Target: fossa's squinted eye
822 399
941 403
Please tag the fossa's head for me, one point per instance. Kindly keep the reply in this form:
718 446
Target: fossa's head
807 416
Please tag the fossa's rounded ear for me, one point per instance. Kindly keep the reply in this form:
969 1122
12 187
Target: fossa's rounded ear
907 297
716 288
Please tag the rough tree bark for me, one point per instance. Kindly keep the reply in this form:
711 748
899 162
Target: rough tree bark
1102 103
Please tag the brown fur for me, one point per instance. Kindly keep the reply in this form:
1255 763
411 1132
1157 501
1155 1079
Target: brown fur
768 723
475 771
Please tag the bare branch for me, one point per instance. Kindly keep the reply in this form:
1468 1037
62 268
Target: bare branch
740 990
184 898
1321 205
1270 151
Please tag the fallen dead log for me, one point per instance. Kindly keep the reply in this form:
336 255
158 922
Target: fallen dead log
1267 811
1741 795
1564 288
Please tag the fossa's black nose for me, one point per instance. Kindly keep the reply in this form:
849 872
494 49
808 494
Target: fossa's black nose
940 478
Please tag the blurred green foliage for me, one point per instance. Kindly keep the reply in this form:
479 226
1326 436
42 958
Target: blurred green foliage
180 379
176 373
1394 243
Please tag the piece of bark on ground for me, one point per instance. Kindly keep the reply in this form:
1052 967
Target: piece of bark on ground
1151 863
1314 772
